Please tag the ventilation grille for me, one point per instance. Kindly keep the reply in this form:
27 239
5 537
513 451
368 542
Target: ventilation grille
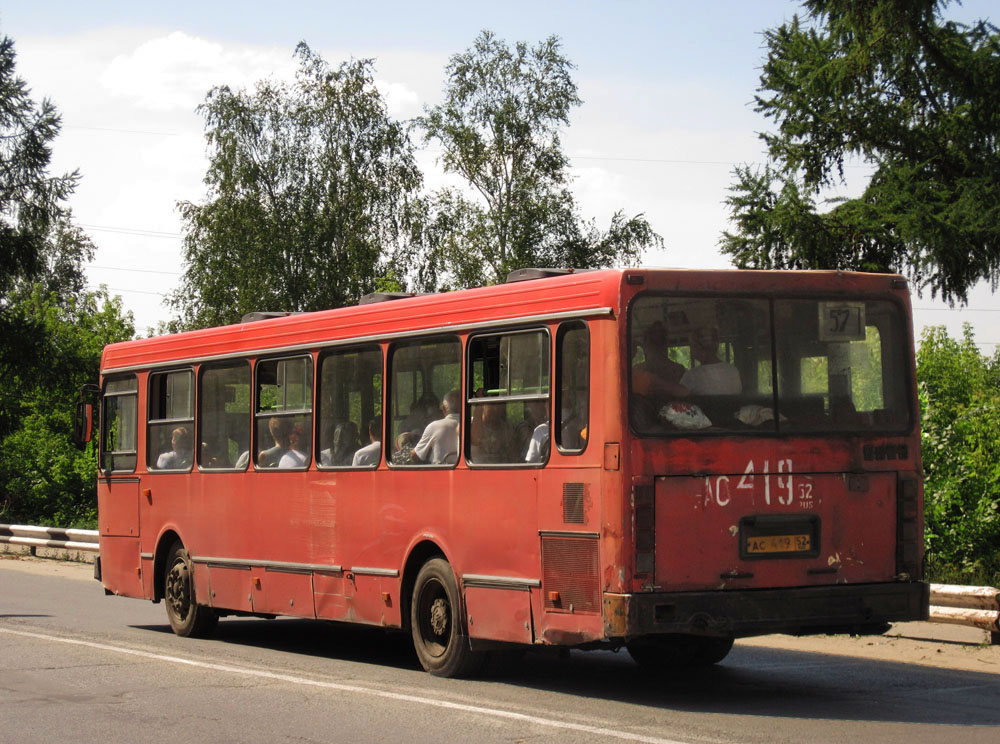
571 574
573 503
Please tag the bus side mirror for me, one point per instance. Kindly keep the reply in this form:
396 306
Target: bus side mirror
83 421
83 424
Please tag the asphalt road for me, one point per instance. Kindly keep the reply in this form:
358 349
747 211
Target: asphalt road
78 666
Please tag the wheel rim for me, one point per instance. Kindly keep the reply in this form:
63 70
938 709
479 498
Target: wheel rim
179 590
434 618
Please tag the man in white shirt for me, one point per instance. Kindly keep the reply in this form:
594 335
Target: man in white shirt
712 376
371 453
439 443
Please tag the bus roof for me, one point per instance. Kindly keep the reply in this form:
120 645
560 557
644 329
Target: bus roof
579 294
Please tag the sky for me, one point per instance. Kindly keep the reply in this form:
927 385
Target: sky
667 111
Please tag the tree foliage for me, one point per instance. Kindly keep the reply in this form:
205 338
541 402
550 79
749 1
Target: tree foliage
310 188
51 330
499 130
37 239
43 477
960 402
895 85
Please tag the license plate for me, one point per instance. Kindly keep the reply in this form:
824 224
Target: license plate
763 544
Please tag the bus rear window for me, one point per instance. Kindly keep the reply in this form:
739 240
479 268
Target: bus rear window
841 365
715 365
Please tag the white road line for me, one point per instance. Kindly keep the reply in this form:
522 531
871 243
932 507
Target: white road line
291 679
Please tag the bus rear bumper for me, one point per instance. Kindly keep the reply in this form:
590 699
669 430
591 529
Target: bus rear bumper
860 608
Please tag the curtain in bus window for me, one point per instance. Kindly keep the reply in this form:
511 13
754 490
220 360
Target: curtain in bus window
350 408
508 396
284 413
224 416
841 365
119 423
425 406
170 440
573 421
700 364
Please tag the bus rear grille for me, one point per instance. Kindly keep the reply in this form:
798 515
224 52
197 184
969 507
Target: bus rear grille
573 503
571 574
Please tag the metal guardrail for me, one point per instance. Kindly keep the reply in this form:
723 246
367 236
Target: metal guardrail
49 537
978 606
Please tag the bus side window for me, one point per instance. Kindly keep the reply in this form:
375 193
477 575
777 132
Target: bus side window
170 435
224 416
350 408
283 413
119 421
508 398
425 402
573 386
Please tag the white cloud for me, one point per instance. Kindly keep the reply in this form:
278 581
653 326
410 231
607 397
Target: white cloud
175 71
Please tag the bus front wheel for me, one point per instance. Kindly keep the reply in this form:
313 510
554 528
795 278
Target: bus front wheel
436 622
187 618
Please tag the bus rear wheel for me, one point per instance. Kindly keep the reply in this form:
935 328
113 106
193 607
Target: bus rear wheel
677 650
436 623
187 618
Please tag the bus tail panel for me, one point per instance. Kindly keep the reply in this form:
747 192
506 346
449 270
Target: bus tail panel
765 530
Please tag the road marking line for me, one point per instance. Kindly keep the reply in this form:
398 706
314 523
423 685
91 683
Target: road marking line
494 712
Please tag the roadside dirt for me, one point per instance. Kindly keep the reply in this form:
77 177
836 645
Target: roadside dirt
929 644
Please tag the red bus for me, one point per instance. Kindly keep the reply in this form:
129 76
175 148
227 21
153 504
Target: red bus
657 459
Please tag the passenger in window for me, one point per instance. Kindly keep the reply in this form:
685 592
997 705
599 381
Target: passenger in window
345 444
658 376
535 414
495 442
574 426
279 428
178 457
712 376
438 444
371 453
209 458
422 412
540 442
297 454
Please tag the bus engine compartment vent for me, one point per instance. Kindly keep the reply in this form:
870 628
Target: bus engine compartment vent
572 503
571 574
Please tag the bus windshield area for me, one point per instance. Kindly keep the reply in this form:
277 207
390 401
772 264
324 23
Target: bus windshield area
767 365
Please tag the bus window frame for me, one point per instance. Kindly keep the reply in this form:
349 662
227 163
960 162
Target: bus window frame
563 328
256 414
393 347
208 367
150 422
470 400
103 424
333 351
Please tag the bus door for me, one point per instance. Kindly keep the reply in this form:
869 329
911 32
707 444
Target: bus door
569 502
118 489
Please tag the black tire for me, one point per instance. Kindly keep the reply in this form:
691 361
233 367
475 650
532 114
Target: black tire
436 623
187 618
711 651
663 652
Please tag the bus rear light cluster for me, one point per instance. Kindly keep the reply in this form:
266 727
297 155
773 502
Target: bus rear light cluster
908 534
645 530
